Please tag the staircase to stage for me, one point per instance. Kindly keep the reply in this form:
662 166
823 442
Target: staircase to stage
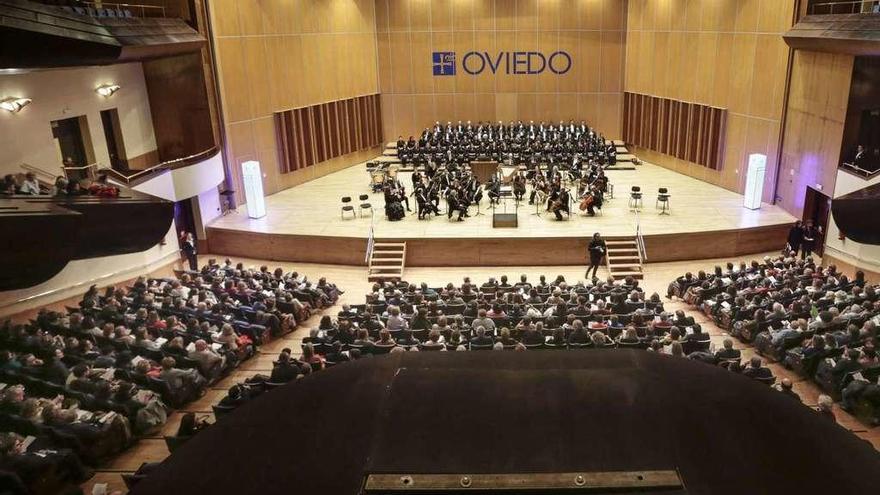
624 257
387 261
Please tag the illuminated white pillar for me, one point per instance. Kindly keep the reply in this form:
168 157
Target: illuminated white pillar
252 177
755 181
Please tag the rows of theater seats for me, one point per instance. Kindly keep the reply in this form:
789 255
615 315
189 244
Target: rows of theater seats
401 317
810 318
78 387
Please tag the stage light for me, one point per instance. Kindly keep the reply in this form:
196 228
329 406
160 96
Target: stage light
755 181
14 104
107 90
253 189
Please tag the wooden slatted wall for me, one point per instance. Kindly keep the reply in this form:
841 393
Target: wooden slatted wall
688 131
317 133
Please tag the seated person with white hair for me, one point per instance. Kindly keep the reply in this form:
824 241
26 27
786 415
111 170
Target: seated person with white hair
210 363
825 407
184 384
483 321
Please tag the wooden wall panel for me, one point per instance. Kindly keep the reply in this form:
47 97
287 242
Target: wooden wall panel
486 251
274 56
819 95
684 130
318 133
725 54
591 31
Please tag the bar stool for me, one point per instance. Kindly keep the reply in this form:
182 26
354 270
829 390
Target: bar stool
662 201
635 198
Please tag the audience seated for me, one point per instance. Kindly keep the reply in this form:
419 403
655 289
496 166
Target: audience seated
811 318
88 381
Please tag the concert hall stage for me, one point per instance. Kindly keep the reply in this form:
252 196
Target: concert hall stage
303 224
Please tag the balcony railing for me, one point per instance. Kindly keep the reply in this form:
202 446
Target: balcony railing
851 7
108 9
142 175
859 171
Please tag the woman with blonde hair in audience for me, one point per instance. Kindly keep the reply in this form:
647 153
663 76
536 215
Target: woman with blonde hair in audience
240 345
505 339
310 357
600 340
630 338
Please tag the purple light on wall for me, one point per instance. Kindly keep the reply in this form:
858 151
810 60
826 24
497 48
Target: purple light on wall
806 176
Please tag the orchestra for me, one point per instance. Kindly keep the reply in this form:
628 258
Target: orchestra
548 157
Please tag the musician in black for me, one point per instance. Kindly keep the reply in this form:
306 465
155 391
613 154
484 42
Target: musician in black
493 190
597 199
398 191
596 252
560 204
425 204
519 186
393 207
455 202
539 185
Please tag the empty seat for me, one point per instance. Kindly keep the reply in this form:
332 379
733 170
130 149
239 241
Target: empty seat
347 207
662 201
364 205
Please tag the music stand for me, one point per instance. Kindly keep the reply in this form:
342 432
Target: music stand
478 213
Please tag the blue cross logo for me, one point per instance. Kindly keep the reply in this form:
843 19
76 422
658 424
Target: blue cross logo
443 63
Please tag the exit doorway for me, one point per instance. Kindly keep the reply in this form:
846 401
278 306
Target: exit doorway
113 138
75 144
817 207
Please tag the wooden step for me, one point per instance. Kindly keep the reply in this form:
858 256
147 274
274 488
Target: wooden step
388 254
629 242
386 261
382 269
624 257
618 264
619 275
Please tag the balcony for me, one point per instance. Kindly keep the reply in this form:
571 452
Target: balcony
67 36
838 27
41 234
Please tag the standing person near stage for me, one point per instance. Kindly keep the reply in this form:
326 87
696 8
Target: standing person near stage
795 238
810 233
188 247
597 252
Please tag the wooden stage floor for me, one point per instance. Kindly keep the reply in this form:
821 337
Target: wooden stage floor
303 224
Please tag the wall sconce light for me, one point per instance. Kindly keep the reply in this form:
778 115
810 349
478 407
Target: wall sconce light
107 90
14 104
